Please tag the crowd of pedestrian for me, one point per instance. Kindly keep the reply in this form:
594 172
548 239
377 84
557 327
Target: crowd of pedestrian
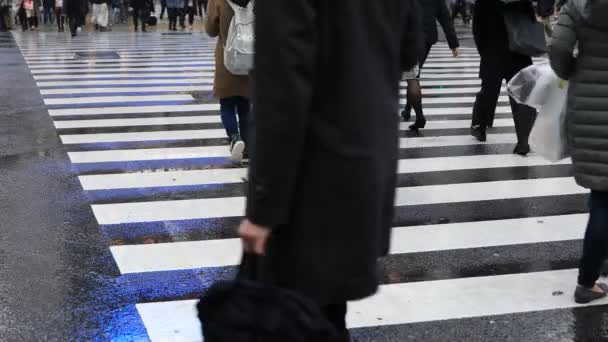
29 15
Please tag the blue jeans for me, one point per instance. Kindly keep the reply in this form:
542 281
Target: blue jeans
595 246
47 15
230 108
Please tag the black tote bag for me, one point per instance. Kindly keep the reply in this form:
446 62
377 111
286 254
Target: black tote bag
526 34
245 310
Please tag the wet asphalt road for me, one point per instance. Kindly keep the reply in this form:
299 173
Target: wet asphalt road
57 278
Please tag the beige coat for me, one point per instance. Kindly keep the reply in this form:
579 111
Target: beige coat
218 21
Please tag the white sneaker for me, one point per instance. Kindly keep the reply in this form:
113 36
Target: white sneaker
237 147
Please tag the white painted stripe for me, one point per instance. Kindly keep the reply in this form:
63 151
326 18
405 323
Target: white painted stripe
138 82
148 154
183 72
114 99
449 65
441 83
134 83
176 120
461 99
460 110
116 75
472 162
449 124
455 140
125 51
222 176
441 91
417 239
234 206
484 191
162 179
116 64
406 303
70 56
135 109
67 91
94 71
142 136
168 210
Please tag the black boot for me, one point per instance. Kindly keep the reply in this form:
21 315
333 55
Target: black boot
420 123
479 133
522 149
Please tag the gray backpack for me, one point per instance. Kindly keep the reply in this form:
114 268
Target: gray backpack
239 50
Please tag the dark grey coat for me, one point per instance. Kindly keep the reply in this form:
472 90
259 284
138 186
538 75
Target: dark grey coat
584 22
324 161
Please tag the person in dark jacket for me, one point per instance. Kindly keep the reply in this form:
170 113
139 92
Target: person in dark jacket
76 12
498 63
432 11
323 167
141 12
191 10
579 53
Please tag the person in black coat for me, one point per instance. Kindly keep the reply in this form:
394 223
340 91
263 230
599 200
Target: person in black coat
432 11
76 12
498 63
324 153
141 12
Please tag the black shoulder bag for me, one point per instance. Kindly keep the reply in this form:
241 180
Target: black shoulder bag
245 310
526 34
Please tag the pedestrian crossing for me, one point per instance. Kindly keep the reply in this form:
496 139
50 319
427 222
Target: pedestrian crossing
479 234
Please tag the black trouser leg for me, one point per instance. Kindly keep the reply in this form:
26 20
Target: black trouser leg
523 117
336 315
172 13
595 245
191 13
486 99
73 27
182 17
136 18
163 7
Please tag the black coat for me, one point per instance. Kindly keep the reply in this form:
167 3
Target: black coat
323 167
77 9
433 11
490 33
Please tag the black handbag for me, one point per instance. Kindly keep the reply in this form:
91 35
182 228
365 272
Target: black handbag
526 35
245 310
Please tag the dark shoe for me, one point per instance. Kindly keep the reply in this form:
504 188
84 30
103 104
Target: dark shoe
237 147
584 295
418 125
406 115
522 150
479 133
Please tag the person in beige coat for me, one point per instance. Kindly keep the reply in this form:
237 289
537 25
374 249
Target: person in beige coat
233 91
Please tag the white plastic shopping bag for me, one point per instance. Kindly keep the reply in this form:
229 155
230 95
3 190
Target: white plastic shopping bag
539 87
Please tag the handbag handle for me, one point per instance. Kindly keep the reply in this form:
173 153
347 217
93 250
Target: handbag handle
248 269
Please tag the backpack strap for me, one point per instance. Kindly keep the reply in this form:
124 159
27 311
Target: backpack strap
232 5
